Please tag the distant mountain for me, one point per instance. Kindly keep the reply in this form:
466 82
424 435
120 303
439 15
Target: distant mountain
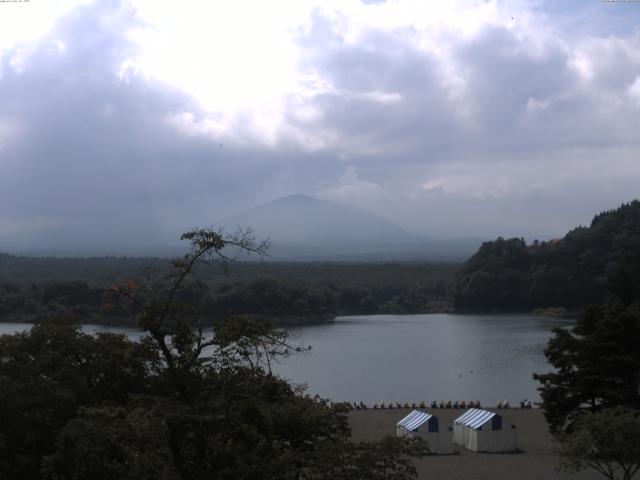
303 220
305 228
301 228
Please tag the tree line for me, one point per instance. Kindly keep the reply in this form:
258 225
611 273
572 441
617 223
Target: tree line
284 293
571 272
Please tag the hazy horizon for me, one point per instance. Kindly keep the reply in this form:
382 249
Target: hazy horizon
298 227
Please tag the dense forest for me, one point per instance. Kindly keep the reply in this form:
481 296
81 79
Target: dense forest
508 274
32 289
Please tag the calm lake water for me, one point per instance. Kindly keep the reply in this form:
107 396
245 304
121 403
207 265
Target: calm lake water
415 357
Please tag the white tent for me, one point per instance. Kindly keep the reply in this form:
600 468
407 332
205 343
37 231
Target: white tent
484 431
426 426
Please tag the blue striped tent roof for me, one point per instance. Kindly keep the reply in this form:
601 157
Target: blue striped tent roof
474 418
414 420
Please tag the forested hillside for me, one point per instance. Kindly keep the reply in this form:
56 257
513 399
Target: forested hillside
33 289
508 274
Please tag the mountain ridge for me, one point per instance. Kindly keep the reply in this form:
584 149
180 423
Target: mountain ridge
302 219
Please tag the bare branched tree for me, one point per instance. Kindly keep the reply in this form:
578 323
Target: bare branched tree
174 324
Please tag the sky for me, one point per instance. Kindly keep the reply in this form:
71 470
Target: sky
132 120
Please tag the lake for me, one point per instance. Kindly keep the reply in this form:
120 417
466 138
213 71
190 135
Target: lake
415 357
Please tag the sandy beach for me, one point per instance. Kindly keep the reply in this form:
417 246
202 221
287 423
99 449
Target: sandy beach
536 459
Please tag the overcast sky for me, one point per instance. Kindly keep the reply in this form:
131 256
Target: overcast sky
449 118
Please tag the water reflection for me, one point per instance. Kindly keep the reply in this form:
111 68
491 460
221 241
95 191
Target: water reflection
412 357
423 357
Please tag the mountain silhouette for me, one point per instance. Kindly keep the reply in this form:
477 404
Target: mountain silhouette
305 221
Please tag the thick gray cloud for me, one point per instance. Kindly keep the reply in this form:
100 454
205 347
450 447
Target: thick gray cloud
528 147
92 154
508 130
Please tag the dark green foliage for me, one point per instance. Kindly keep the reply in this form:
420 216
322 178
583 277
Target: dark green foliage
495 277
71 293
368 460
597 365
183 403
283 292
597 362
112 443
47 373
274 299
607 441
570 272
356 300
419 298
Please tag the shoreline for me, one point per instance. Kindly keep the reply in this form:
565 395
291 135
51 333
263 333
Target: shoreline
120 322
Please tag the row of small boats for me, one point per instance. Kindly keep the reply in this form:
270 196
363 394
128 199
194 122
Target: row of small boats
434 404
502 404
